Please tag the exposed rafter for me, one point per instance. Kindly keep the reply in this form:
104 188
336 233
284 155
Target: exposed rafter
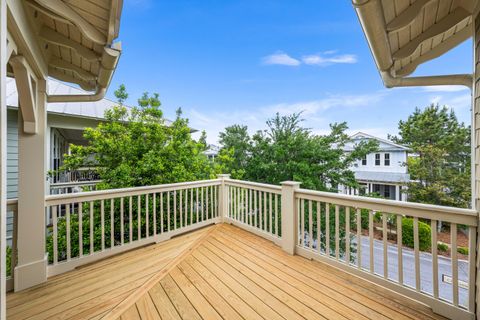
47 12
55 73
63 9
437 51
64 65
443 25
406 17
11 46
26 93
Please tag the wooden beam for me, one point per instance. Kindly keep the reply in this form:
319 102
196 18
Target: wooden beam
437 51
11 46
26 93
59 39
64 65
55 73
47 12
64 10
443 25
407 16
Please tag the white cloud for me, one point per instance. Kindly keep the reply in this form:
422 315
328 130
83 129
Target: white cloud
281 59
326 59
447 88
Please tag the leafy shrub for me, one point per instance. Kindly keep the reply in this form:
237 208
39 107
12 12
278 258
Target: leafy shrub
462 250
9 261
442 247
424 234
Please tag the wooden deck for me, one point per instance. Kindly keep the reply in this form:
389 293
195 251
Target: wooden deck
220 272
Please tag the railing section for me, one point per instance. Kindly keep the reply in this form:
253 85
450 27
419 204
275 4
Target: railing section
395 244
12 216
255 207
73 187
91 225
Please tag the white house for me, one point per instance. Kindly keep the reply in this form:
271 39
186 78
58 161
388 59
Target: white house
383 172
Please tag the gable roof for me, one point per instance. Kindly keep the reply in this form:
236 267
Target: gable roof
384 143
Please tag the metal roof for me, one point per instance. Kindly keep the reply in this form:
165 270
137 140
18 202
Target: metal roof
387 177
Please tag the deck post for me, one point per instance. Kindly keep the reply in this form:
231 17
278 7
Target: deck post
475 136
31 267
3 154
223 197
289 216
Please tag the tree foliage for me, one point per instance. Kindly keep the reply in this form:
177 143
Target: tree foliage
440 166
135 147
288 151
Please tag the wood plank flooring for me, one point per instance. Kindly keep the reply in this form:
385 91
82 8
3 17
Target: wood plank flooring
220 272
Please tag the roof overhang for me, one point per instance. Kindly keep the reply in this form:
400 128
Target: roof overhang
404 34
72 41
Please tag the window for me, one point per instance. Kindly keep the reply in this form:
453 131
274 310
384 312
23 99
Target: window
386 192
377 159
387 159
364 160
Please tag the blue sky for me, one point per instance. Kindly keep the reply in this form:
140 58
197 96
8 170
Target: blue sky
227 62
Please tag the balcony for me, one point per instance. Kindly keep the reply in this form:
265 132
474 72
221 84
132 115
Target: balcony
233 249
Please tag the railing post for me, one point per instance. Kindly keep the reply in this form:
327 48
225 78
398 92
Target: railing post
223 197
289 220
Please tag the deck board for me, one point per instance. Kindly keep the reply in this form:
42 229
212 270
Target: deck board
220 272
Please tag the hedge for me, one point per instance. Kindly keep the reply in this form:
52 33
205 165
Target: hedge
424 234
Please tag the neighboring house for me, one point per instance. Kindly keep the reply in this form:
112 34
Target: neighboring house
383 172
212 151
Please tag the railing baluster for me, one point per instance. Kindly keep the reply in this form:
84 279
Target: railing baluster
212 202
180 205
327 229
175 209
196 205
385 245
206 202
185 215
359 238
276 216
80 230
69 252
91 228
472 240
347 235
255 208
55 234
147 218
400 249
270 212
260 211
130 219
168 211
102 221
161 213
265 212
310 224
453 234
337 232
433 227
250 215
139 217
319 227
302 222
416 248
370 235
122 226
112 224
191 206
154 213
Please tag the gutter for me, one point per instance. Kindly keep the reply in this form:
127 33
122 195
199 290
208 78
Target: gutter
370 15
108 64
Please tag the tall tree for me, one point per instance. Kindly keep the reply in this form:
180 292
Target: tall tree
288 151
440 164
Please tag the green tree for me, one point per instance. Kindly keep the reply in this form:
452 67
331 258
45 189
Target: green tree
440 165
288 151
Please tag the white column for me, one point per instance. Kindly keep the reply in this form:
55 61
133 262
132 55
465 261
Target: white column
3 154
32 167
397 193
289 216
223 197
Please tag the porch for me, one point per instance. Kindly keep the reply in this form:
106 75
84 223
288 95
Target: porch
216 272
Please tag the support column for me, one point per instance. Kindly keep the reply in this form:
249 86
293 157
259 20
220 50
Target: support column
223 197
289 216
476 143
32 260
397 193
3 155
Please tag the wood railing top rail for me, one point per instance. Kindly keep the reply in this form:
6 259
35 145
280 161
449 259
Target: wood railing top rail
419 210
255 185
125 192
74 184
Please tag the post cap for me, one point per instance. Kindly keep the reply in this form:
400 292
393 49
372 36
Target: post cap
290 183
223 175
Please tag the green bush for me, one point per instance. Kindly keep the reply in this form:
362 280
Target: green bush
424 234
462 250
9 261
442 247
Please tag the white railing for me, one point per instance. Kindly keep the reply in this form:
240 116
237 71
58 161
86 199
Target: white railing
73 187
370 237
12 217
255 207
88 226
80 174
